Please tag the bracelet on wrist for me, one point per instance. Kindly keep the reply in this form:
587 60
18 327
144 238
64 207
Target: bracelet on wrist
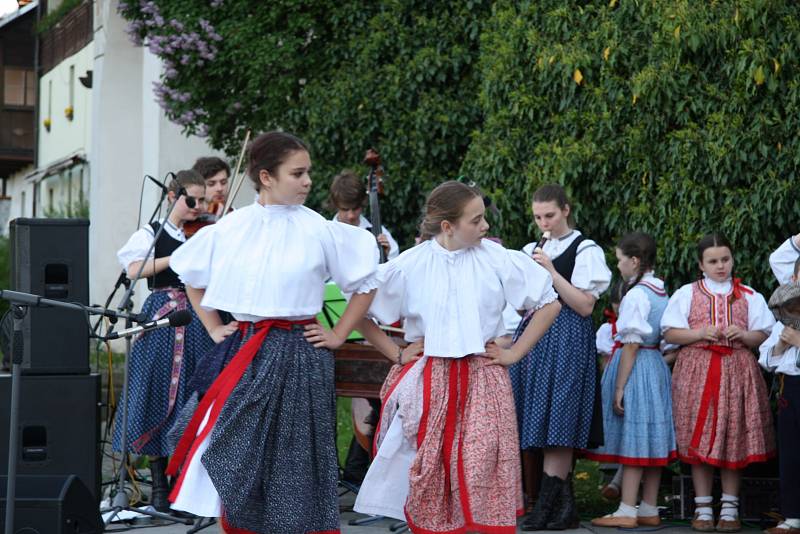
400 355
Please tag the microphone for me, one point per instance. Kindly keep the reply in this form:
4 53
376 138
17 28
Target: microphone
159 184
540 244
174 319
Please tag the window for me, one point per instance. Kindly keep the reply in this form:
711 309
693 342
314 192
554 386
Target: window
19 87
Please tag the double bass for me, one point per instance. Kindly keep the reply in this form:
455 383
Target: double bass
374 189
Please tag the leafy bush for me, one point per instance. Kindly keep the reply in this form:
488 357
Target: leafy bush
673 117
669 117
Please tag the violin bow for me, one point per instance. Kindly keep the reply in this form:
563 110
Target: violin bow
236 184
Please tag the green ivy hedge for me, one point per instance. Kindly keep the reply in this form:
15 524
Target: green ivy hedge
675 117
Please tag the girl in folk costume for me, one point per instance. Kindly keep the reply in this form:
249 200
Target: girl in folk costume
556 385
162 361
637 405
446 440
719 398
260 448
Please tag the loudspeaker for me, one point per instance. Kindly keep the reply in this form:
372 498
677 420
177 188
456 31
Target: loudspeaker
50 258
59 427
51 505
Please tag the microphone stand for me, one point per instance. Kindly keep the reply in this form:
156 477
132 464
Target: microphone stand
20 302
121 501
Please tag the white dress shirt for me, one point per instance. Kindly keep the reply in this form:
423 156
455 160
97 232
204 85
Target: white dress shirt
363 222
782 261
786 363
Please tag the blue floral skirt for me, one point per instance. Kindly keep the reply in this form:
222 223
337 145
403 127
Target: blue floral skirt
555 386
150 375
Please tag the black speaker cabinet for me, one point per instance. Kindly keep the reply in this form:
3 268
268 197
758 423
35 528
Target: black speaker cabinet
51 505
59 427
50 258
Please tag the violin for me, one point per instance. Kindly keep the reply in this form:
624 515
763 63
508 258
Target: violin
207 218
210 216
375 188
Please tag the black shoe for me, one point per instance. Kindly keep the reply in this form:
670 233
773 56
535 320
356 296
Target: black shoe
159 497
565 515
548 501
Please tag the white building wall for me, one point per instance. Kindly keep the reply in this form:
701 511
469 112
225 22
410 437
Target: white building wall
66 136
131 137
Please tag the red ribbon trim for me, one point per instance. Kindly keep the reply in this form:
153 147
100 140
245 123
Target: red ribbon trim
426 402
177 302
710 397
627 460
739 288
406 368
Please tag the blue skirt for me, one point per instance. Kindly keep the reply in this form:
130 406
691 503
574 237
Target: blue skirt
555 385
645 435
150 374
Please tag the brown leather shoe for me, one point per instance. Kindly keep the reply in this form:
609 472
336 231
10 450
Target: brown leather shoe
702 525
778 530
610 521
649 521
725 525
610 492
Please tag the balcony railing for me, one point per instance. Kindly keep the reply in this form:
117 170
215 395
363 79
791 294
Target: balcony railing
68 36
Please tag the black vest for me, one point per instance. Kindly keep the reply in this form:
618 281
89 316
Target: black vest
565 263
165 246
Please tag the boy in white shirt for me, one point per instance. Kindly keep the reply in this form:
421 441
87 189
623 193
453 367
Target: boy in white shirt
780 354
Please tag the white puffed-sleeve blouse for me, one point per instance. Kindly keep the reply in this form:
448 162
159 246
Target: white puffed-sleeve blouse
272 261
591 273
632 325
135 249
455 299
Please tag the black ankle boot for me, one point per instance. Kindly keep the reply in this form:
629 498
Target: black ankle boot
546 504
159 496
565 515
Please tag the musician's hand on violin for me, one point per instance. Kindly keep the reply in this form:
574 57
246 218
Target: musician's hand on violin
709 333
383 241
544 260
219 333
321 337
412 352
500 356
733 333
